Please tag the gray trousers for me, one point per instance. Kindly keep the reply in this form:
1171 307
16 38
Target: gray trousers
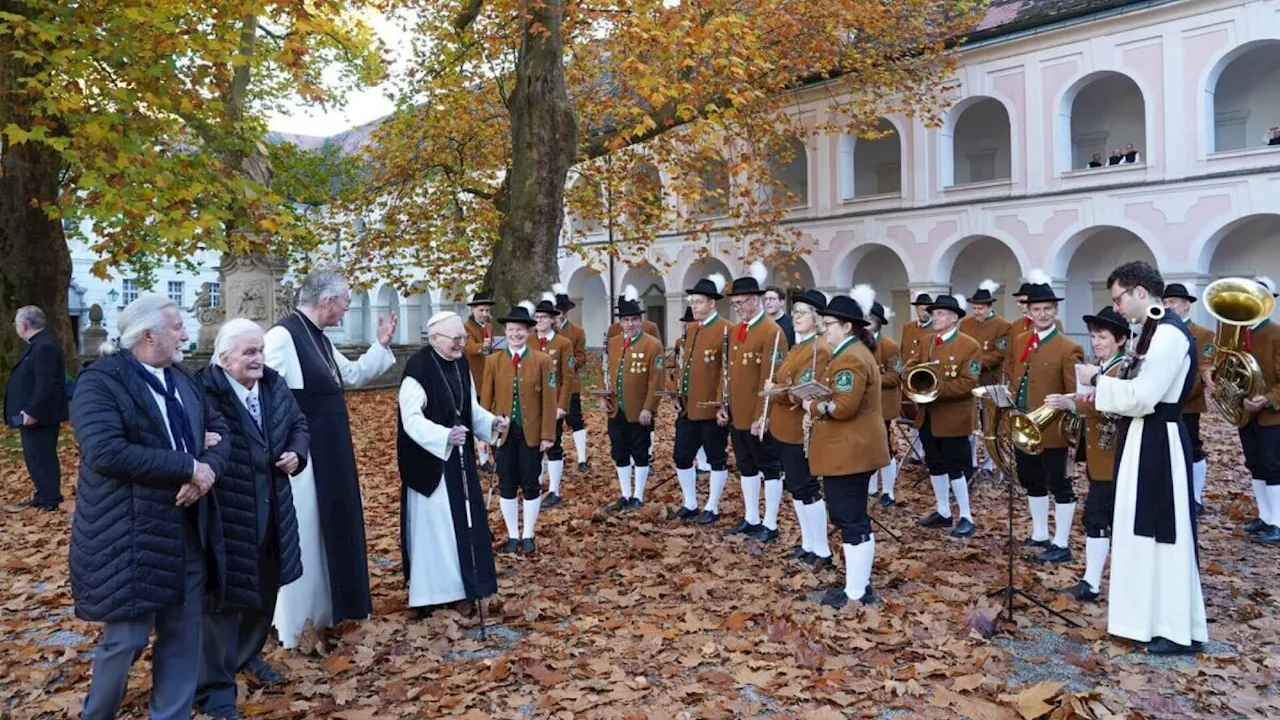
231 640
175 655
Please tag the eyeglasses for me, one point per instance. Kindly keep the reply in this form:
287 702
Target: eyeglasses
830 323
1115 299
455 339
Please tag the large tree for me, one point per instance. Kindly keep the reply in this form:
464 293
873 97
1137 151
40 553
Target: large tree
659 116
147 118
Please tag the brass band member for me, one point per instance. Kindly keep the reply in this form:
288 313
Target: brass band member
578 338
1177 299
805 360
1023 324
520 385
479 327
992 333
1260 439
560 349
699 386
751 357
1108 333
635 375
848 442
1044 363
946 423
912 333
889 361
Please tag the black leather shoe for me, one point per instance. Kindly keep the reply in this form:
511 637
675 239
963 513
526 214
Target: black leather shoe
964 528
41 506
513 546
936 520
582 467
528 546
1029 543
265 674
684 514
798 553
868 597
1055 554
1083 592
821 563
708 518
1255 526
1270 536
835 598
621 504
1199 509
886 501
635 504
551 500
744 528
1164 646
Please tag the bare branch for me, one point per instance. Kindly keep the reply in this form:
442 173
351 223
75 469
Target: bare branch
468 15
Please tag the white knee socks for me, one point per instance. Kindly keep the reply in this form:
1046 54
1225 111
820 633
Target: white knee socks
1039 517
531 508
511 516
483 452
688 487
751 498
857 567
1260 495
580 444
772 501
871 483
555 471
719 478
700 461
941 485
1199 469
960 486
802 519
1273 504
817 518
1095 559
1063 514
889 477
624 481
642 476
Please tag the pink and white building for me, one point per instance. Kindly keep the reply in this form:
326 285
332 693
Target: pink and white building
1005 186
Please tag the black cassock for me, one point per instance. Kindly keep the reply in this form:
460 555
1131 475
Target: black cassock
445 382
333 460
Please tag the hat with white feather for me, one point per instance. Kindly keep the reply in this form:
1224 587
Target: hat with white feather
985 294
752 283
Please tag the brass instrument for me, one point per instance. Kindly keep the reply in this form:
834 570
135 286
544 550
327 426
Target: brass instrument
1027 429
993 419
920 382
1236 303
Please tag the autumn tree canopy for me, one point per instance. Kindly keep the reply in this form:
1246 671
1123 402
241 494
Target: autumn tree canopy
669 98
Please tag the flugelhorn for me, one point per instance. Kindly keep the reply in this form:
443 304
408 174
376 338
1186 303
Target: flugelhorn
1237 304
1028 429
921 382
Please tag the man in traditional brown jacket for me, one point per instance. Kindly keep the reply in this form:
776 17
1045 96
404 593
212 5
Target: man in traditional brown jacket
1178 300
912 333
479 327
889 359
992 333
1260 439
635 376
578 337
560 349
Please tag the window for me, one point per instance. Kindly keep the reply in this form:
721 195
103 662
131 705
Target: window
215 294
130 291
176 292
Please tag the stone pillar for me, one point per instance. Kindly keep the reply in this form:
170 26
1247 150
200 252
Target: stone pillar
675 310
251 288
95 336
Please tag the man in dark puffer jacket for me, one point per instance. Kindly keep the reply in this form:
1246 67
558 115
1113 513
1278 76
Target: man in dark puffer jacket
145 533
269 443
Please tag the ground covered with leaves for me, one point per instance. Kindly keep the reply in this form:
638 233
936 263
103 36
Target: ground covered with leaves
630 615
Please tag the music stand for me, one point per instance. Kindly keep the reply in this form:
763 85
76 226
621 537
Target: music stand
1005 411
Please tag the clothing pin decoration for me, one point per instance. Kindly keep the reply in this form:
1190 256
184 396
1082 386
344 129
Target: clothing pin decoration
327 357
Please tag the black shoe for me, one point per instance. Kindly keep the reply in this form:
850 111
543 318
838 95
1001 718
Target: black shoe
1055 554
1083 592
635 504
708 518
551 500
424 612
765 535
1164 646
886 501
868 597
582 467
684 514
835 598
487 468
1199 509
1271 536
528 547
232 714
821 563
1029 543
1255 526
935 520
798 554
744 528
41 506
265 674
621 504
964 528
513 546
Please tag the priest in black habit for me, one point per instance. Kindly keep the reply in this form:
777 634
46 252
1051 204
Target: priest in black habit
326 495
444 524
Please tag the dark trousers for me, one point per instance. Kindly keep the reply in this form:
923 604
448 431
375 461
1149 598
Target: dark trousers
1192 421
628 441
231 640
847 506
796 478
1262 451
755 456
1099 506
574 418
40 450
175 655
519 467
1046 473
557 451
945 456
705 434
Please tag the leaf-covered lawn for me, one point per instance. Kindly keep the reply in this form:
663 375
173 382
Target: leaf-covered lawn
633 616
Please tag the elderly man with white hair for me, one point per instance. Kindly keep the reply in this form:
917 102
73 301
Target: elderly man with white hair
269 443
144 531
444 524
326 495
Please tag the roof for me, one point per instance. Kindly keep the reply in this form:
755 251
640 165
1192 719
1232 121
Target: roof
1005 17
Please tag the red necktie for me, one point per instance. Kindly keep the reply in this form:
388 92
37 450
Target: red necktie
742 332
937 339
626 343
515 361
1032 343
1248 339
542 343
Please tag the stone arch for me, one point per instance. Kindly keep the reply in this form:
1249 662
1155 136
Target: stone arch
702 267
796 273
793 175
418 309
882 267
385 300
844 269
652 286
1099 112
588 291
977 142
942 265
972 259
1245 247
1241 97
355 323
1086 259
870 167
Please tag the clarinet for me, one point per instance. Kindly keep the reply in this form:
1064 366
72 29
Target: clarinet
1154 315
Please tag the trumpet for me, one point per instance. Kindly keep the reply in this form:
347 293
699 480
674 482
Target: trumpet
1236 303
921 383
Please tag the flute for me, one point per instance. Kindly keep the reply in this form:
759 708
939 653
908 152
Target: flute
773 365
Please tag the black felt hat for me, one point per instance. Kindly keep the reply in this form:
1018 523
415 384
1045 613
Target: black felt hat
750 284
984 295
845 308
627 308
1023 290
710 286
811 297
480 299
922 299
947 302
1039 294
548 307
878 312
688 315
1112 319
1177 290
563 303
519 314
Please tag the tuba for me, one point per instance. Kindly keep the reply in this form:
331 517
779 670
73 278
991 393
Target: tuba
1027 429
1236 303
921 382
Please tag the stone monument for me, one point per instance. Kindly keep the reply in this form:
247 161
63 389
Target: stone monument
95 336
251 288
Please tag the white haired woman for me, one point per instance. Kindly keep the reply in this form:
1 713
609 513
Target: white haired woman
269 443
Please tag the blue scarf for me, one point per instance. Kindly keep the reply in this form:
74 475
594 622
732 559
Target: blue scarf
178 425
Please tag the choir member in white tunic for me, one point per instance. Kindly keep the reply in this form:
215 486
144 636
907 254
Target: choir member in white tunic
1155 596
326 495
444 525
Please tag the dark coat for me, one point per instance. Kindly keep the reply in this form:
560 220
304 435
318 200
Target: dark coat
251 467
127 536
37 384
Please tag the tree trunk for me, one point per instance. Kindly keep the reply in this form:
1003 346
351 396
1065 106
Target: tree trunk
35 264
544 132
